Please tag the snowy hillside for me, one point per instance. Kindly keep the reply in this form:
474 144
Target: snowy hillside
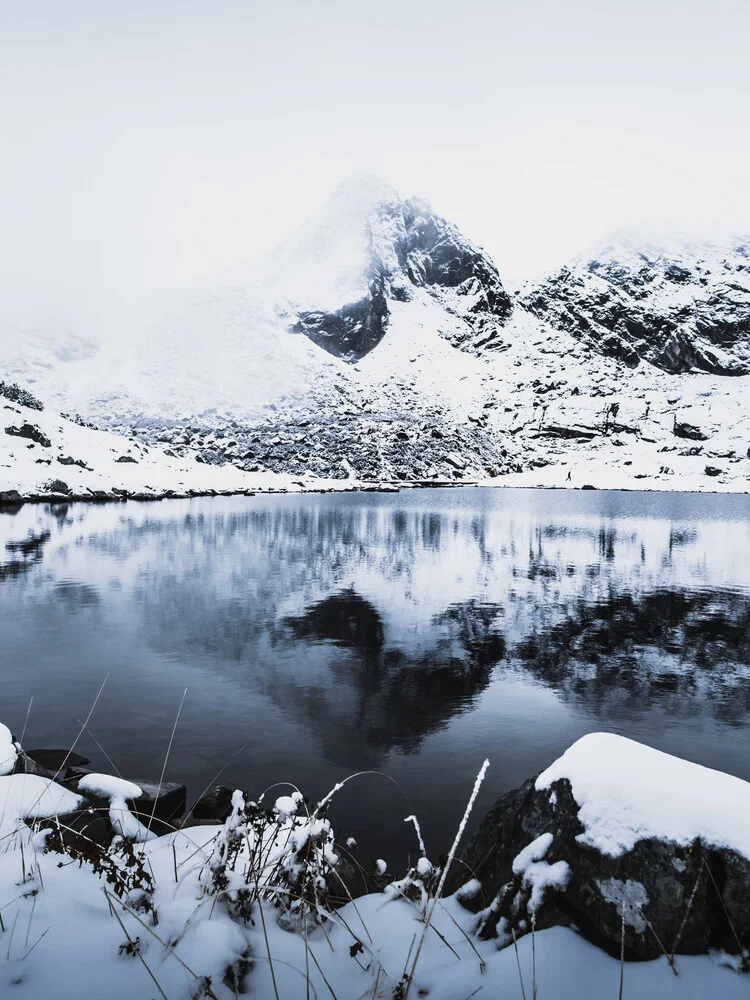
378 344
43 454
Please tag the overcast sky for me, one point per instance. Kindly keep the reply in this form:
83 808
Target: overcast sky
153 143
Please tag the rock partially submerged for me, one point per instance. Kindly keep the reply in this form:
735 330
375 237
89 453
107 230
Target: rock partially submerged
629 845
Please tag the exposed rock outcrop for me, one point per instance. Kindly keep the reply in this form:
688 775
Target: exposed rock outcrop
681 309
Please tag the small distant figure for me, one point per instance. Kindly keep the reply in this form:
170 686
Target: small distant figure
569 474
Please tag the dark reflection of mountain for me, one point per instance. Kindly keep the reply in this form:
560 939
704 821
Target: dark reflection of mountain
24 554
345 619
392 698
688 650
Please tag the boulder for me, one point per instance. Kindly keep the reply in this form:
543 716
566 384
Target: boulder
625 844
213 806
54 760
166 802
31 432
10 498
682 429
57 486
90 823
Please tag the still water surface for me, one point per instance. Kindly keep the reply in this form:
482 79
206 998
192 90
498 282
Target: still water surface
413 633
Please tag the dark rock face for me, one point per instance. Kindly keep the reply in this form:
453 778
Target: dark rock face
679 311
353 331
435 255
688 431
54 760
654 883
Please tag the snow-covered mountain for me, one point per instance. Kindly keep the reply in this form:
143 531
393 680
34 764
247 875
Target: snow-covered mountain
679 308
337 278
378 343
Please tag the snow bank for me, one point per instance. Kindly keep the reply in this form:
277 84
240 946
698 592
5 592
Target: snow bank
8 751
29 796
629 792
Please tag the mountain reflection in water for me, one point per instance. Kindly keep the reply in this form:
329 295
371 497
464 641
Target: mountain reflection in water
414 633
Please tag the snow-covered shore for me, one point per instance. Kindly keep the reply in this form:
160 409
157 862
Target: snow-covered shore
246 907
45 456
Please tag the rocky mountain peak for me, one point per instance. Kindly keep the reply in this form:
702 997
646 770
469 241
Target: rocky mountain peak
336 279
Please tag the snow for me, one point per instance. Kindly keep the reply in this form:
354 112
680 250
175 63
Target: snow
534 851
204 358
29 796
537 874
286 806
628 792
74 934
324 265
109 787
8 751
117 790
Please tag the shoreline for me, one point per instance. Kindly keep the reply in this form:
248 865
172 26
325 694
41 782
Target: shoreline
14 499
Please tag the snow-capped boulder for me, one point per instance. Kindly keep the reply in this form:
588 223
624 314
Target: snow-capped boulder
338 277
625 843
680 308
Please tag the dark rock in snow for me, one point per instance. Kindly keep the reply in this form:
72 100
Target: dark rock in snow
680 309
127 458
57 486
31 432
682 429
166 802
91 823
405 246
18 395
654 881
712 470
10 498
213 806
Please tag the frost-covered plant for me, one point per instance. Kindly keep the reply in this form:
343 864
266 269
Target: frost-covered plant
119 864
276 855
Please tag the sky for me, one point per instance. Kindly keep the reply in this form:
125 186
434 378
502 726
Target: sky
160 143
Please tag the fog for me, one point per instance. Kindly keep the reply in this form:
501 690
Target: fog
155 144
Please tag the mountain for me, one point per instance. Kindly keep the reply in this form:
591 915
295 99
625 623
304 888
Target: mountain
337 278
379 344
679 308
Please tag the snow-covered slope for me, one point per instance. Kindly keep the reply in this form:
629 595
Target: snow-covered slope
43 454
680 307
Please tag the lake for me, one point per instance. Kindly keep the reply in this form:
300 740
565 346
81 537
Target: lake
410 633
